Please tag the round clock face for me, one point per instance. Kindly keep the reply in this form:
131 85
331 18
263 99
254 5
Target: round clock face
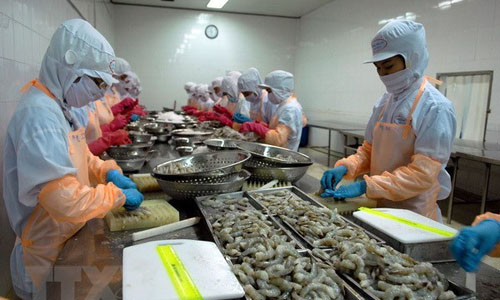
211 31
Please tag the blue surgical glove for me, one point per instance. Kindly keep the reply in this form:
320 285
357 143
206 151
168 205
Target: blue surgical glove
474 242
327 193
133 199
332 177
134 118
120 180
239 118
352 190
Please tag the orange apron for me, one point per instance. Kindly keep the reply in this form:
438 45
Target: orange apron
112 98
93 131
103 112
392 147
43 237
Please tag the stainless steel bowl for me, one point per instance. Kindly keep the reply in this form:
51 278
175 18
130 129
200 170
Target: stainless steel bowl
202 165
154 128
220 144
184 150
291 174
131 165
163 138
134 126
264 155
189 189
129 151
139 137
183 141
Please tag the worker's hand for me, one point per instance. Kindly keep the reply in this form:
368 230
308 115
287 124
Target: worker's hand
332 177
327 193
224 111
133 199
134 118
352 190
120 180
474 242
257 128
119 137
124 106
118 123
240 118
225 120
100 145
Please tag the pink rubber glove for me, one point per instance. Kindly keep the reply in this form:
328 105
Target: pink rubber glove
224 111
257 128
225 120
187 107
118 123
124 106
100 145
119 137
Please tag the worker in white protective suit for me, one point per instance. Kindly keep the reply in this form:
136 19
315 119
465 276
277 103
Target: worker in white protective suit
285 127
409 136
256 97
237 105
52 184
189 87
216 92
206 103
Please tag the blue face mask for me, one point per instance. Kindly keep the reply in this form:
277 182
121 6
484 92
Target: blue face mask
232 99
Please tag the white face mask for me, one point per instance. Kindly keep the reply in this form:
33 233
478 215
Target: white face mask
272 97
252 98
397 82
219 93
83 92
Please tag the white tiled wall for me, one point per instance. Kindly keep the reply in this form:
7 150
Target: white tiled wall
26 27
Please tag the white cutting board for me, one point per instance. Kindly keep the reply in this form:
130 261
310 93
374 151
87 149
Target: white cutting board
145 277
399 231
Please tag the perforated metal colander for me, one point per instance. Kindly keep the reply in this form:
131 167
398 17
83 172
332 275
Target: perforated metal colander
266 173
202 165
190 188
264 155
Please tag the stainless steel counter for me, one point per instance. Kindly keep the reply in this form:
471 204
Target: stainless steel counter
90 264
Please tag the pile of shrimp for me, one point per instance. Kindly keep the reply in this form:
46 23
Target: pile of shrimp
381 270
387 273
318 225
268 264
220 206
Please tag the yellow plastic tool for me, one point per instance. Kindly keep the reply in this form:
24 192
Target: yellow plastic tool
179 276
408 222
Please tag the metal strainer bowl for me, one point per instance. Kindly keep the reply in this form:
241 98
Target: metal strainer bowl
264 155
202 165
189 189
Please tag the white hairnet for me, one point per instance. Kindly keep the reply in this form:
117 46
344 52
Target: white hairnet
405 38
132 84
202 92
121 66
189 86
76 48
249 81
217 82
280 82
230 84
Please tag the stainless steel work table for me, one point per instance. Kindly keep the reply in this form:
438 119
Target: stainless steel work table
334 126
91 261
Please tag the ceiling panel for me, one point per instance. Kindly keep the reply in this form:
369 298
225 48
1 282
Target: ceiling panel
282 8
